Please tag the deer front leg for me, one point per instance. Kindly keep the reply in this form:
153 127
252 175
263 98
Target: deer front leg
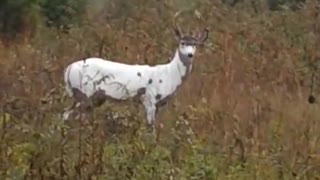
150 110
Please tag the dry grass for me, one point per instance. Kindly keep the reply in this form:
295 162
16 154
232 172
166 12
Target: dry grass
243 114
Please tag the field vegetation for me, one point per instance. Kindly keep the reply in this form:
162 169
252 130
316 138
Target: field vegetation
242 114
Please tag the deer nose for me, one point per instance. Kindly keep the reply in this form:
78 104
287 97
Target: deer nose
190 55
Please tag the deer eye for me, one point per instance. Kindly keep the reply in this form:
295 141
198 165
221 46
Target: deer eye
183 43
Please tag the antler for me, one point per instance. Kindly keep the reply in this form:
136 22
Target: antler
176 27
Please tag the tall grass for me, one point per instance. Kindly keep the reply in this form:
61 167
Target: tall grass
243 113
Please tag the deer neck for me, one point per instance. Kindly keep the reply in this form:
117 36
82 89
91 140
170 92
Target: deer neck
181 65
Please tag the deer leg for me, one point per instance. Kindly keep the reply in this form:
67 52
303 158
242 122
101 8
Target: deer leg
69 110
150 109
75 110
150 116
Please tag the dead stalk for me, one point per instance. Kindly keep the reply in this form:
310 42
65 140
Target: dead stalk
63 172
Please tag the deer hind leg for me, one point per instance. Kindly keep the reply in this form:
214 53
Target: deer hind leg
79 100
68 111
77 110
72 110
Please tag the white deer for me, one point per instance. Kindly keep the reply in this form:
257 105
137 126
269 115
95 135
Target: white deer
93 80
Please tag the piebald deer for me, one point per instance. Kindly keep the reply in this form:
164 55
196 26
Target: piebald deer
93 80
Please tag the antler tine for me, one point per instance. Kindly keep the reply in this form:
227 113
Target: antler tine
175 24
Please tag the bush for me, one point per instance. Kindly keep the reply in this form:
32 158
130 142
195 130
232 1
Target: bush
15 15
18 16
63 13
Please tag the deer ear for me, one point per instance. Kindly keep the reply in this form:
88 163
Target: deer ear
203 36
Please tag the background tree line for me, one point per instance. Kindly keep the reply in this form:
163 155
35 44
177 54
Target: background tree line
24 15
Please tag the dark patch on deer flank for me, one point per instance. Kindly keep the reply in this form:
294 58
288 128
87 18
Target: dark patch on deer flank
158 96
141 91
78 95
150 81
139 74
160 81
98 98
83 98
